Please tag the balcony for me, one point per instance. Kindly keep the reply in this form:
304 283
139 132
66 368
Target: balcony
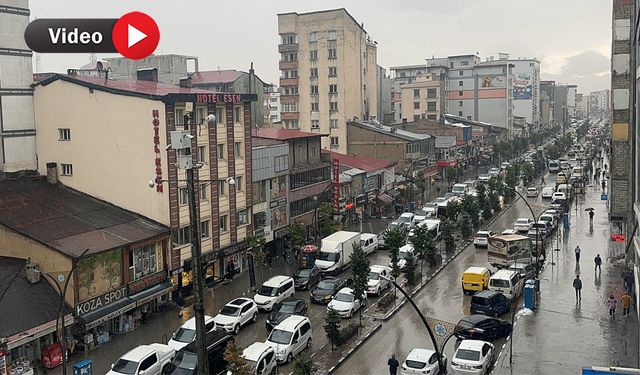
287 47
288 64
289 81
290 115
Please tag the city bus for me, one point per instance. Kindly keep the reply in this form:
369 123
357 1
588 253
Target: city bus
505 250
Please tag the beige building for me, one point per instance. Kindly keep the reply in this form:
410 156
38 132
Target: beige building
112 140
327 73
423 99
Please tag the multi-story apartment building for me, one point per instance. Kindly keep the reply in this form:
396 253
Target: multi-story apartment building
572 91
17 128
327 73
272 107
424 98
171 68
402 75
560 108
113 140
600 101
547 100
384 85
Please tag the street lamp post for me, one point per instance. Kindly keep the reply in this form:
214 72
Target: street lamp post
316 200
535 221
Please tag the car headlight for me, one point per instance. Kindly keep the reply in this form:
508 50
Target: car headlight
328 297
281 351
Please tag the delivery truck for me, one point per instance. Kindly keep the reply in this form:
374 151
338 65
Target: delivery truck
335 251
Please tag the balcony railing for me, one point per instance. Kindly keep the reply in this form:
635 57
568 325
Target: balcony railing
287 47
288 64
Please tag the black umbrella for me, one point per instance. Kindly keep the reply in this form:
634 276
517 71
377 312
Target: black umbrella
588 209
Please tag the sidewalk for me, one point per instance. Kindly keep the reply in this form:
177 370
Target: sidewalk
564 334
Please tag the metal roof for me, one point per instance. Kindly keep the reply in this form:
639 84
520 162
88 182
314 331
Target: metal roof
283 134
70 221
366 164
398 133
215 76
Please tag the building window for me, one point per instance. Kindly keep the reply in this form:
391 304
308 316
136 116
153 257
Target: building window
289 73
243 217
314 72
203 192
334 123
259 220
221 187
238 183
288 90
314 176
290 107
64 134
332 35
432 93
290 39
223 223
460 103
333 71
416 117
451 65
314 107
238 149
460 83
182 236
291 124
281 163
468 117
432 117
460 72
220 151
290 56
200 115
332 53
179 116
335 142
67 169
236 114
333 106
459 113
416 105
460 93
204 229
313 55
464 63
333 89
259 192
431 106
220 115
314 89
183 195
313 37
202 154
416 93
143 261
315 124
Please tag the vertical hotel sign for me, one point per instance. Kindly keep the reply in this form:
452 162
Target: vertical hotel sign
156 148
336 186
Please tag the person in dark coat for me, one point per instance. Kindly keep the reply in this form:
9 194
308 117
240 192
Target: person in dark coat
393 365
577 285
598 261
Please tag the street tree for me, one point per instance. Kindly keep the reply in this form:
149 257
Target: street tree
419 241
326 224
332 327
483 202
470 206
511 180
359 274
528 172
303 365
453 211
452 174
256 244
446 231
409 270
394 239
297 236
236 363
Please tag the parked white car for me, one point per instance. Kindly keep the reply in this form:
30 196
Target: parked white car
261 357
523 224
550 218
547 192
377 279
290 337
532 192
404 253
150 359
187 332
484 178
406 220
509 231
422 361
558 197
344 303
482 238
472 357
236 314
419 216
274 290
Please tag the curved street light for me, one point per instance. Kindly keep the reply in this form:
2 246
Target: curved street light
535 221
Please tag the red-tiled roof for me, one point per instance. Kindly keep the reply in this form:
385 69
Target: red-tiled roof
215 76
360 162
283 134
154 90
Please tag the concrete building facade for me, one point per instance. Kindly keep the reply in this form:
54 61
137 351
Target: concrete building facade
272 107
17 126
560 107
384 85
423 99
327 73
600 101
572 100
171 68
401 75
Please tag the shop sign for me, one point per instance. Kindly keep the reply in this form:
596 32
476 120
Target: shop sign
147 282
88 306
361 200
156 148
281 232
177 272
336 185
235 248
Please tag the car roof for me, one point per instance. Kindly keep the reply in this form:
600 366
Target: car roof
292 300
548 188
523 219
406 247
472 345
532 188
483 232
518 265
290 323
191 323
255 350
346 290
503 274
277 280
379 268
367 235
485 293
474 269
138 353
420 355
239 302
406 214
476 318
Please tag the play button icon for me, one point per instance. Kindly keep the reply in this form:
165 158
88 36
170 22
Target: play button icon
135 35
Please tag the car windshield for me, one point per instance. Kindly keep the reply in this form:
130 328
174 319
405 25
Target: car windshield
421 212
404 219
479 301
469 355
393 226
532 190
326 285
482 234
287 308
458 189
184 335
431 205
373 276
280 337
329 257
230 311
414 364
465 324
305 272
269 291
499 283
522 221
124 366
344 297
185 360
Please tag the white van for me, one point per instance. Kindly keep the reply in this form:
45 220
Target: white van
507 282
369 242
274 290
460 189
290 337
554 166
187 332
261 357
404 253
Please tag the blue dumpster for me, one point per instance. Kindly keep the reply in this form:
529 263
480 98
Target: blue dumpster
530 294
412 207
84 367
565 221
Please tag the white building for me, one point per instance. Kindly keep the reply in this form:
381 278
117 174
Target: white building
17 127
572 91
274 106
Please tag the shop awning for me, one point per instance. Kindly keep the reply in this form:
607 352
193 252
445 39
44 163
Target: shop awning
386 198
152 293
103 314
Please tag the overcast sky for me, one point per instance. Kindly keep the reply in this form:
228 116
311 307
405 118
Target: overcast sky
572 38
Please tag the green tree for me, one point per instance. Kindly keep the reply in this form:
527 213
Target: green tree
332 327
419 241
471 208
303 365
446 231
452 174
235 361
409 270
256 244
483 202
297 236
453 211
494 201
394 239
511 180
359 274
528 172
326 224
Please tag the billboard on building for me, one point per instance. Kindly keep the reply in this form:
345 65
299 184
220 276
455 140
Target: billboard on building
492 81
522 88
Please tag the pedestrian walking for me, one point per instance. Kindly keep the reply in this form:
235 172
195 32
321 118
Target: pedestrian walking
393 365
578 251
577 285
604 183
598 261
629 281
591 214
625 300
611 304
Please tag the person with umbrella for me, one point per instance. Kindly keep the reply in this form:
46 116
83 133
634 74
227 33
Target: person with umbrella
591 215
